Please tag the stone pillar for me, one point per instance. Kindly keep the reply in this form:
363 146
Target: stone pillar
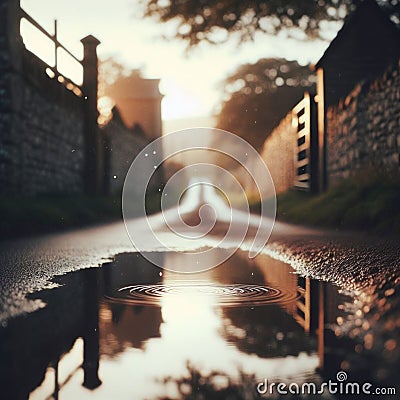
93 173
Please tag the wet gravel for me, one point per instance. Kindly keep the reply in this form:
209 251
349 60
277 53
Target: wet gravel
351 260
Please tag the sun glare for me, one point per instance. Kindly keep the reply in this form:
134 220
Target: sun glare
190 83
178 101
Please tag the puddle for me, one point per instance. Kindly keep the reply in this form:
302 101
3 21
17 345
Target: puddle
225 295
130 330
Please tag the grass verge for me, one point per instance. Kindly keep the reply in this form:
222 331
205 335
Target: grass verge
24 216
365 202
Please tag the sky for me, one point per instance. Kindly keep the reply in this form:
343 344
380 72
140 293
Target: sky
191 83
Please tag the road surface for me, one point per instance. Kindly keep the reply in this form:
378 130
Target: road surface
350 260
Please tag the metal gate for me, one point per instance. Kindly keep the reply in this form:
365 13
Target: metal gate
306 148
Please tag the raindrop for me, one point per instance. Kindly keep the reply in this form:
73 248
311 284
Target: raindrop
160 273
391 344
154 152
389 292
146 155
344 365
115 176
155 166
358 348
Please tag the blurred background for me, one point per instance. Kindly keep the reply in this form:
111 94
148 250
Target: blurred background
86 86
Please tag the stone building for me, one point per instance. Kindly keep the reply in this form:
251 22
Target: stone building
135 122
122 145
139 103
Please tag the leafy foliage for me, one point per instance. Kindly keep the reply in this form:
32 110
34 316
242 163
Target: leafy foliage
213 21
110 72
112 76
259 95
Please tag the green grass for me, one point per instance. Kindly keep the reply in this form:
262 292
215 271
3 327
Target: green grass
21 216
368 202
365 202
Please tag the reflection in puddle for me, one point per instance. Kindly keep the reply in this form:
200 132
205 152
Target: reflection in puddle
226 295
131 330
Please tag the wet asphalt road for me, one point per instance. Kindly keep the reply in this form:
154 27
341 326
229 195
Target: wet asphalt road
350 260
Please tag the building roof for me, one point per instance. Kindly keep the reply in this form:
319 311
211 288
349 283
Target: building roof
365 46
136 87
365 13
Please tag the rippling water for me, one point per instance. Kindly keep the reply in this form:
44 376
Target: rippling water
226 295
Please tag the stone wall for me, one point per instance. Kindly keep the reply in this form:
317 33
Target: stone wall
41 133
363 130
5 93
122 145
49 140
278 154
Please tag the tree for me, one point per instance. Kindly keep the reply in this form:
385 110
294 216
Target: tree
216 20
110 72
258 96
